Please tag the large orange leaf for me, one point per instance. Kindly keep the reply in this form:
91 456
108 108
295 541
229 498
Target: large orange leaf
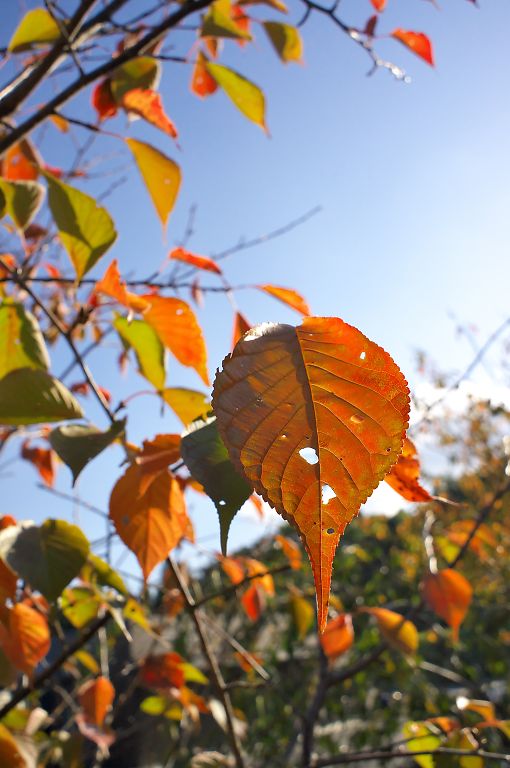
177 327
25 637
147 104
151 523
95 698
404 477
315 417
417 42
449 594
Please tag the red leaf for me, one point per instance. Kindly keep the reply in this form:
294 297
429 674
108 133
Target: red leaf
417 42
43 461
379 5
147 104
253 602
202 83
200 262
103 101
112 285
241 326
163 671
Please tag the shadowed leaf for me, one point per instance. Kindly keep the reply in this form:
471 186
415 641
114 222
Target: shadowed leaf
78 444
22 200
29 396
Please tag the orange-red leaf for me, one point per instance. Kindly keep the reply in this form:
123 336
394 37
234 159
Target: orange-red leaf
287 296
146 103
103 101
163 671
253 602
417 42
338 636
150 521
449 594
25 637
202 83
291 551
241 326
177 327
156 455
95 698
200 262
405 475
379 5
112 285
315 417
20 162
42 459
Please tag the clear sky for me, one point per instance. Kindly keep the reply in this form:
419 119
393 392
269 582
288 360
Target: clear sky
412 180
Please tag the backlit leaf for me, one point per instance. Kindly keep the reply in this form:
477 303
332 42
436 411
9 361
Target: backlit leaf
338 636
449 594
80 605
21 342
315 417
21 162
246 96
97 571
303 614
291 551
404 477
207 459
177 327
22 200
218 22
233 568
187 404
96 697
199 262
286 40
417 42
147 104
85 228
483 708
43 461
152 523
253 602
112 285
163 671
157 454
36 28
241 326
202 83
78 444
161 176
48 556
422 737
103 101
10 754
148 349
24 637
287 296
399 633
142 72
379 5
29 396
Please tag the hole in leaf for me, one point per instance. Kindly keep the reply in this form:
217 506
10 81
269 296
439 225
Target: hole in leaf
356 419
309 455
283 437
327 494
363 356
222 503
179 311
330 531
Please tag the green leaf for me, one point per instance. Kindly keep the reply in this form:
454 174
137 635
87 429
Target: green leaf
161 176
218 23
21 341
422 738
29 396
187 404
154 705
98 571
48 557
206 457
22 200
80 605
78 444
85 228
246 96
142 72
286 40
36 28
149 351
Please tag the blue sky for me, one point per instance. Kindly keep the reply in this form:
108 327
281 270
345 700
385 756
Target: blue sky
412 181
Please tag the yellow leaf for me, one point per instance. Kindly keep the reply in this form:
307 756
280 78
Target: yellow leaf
161 176
187 404
303 614
246 96
401 634
286 40
36 28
